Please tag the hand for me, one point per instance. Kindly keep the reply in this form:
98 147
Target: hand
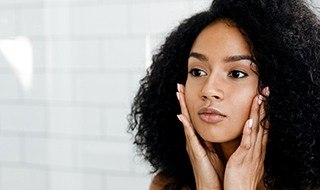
245 167
207 167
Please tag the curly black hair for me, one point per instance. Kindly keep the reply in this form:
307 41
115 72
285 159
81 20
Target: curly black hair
284 37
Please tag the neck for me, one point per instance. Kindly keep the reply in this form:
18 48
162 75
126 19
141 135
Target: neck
228 148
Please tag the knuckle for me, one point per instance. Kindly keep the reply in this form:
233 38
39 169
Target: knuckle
191 138
245 146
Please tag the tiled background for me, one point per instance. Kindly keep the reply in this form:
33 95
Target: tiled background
68 72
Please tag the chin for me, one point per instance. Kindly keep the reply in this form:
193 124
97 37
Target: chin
213 139
219 138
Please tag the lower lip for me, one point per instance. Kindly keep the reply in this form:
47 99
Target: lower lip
211 118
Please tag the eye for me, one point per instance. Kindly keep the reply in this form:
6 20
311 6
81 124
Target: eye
197 72
237 74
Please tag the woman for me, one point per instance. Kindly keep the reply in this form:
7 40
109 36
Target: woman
220 87
249 97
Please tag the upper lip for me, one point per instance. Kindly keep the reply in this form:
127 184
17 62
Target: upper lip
210 110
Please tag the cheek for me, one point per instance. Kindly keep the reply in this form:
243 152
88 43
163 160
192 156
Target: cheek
188 92
242 105
191 97
188 96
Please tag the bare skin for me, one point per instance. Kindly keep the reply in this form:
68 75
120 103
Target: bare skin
222 76
244 169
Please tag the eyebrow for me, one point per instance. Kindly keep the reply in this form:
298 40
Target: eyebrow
233 58
239 58
199 56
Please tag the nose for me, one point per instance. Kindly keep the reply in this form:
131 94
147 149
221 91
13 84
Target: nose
212 89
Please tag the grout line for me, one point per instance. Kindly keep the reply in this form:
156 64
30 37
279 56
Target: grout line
23 135
95 171
22 148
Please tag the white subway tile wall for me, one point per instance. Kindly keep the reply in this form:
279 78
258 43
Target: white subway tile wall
10 149
63 117
62 180
7 22
17 177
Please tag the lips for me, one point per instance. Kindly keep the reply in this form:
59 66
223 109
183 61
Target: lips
211 115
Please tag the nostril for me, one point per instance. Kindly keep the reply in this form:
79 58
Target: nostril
216 97
204 97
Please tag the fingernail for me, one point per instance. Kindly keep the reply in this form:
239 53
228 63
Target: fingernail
178 87
260 99
179 118
178 96
250 123
267 91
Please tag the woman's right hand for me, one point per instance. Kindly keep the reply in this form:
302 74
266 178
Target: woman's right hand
207 166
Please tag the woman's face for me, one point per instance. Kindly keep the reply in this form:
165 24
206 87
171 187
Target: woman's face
221 82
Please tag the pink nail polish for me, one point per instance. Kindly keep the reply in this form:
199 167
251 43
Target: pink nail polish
267 91
178 95
178 87
250 123
260 99
179 118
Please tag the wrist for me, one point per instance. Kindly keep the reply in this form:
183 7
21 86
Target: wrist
239 187
200 186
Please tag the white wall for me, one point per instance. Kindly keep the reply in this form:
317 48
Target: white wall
68 72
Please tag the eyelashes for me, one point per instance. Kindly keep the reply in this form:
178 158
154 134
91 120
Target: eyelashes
237 74
197 72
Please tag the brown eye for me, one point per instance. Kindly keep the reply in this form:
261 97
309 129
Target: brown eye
197 72
237 74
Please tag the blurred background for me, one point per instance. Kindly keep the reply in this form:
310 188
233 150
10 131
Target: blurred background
69 70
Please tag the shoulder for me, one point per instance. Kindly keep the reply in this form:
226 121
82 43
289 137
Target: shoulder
159 181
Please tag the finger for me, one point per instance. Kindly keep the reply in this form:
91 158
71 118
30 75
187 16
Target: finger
263 100
258 142
254 115
245 145
192 142
265 139
266 91
262 114
188 129
264 144
262 110
181 98
181 88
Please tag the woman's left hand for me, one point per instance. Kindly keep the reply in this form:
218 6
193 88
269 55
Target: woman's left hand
245 167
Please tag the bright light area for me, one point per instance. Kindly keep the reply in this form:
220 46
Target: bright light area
18 53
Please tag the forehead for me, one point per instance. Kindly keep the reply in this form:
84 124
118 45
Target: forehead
221 36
